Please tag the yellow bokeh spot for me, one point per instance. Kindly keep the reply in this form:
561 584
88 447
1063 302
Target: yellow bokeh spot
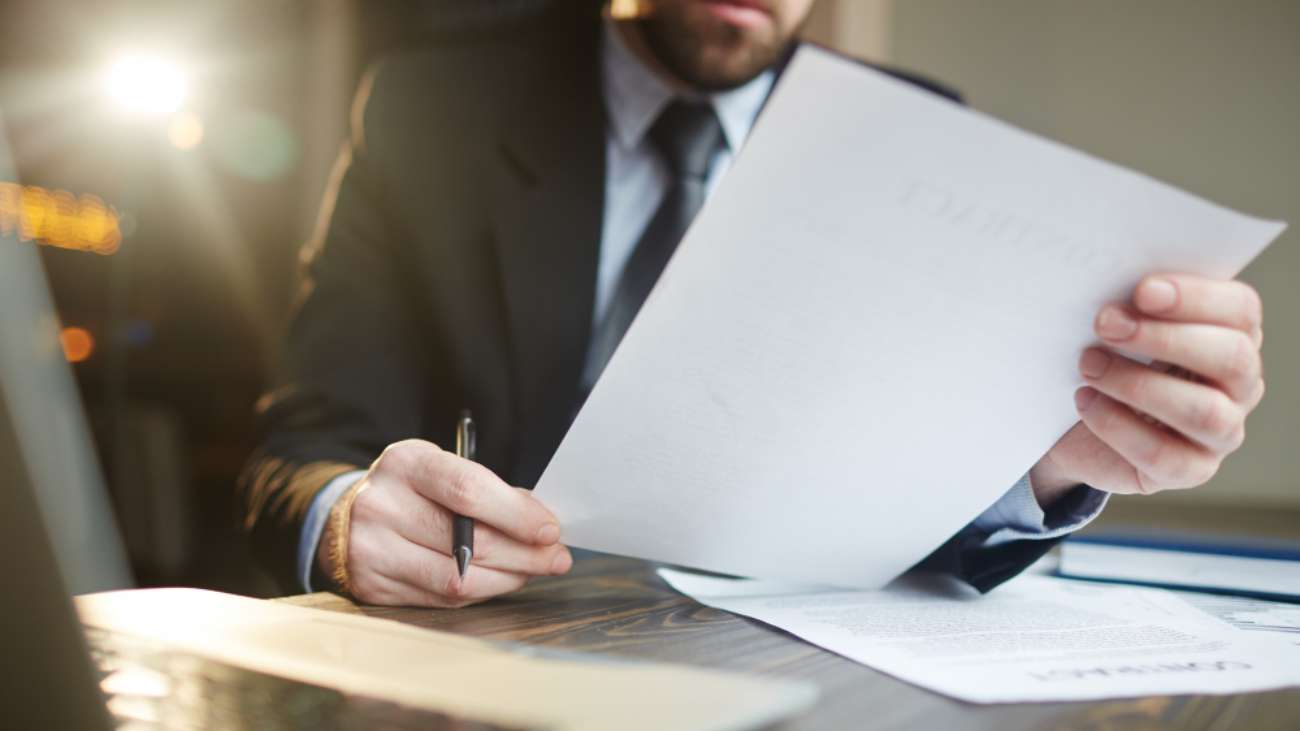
59 219
77 344
627 9
186 131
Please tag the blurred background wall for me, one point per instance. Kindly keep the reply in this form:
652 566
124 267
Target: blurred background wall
1204 94
180 324
173 334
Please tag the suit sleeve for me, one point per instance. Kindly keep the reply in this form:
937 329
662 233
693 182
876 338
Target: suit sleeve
352 375
1012 534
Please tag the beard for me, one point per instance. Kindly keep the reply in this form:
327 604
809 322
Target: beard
707 53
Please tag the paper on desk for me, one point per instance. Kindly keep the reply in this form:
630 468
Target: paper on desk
1035 639
868 335
1247 614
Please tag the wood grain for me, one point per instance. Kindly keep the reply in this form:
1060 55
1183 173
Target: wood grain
619 607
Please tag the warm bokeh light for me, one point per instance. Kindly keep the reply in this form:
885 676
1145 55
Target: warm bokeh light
77 344
186 131
148 84
627 9
59 219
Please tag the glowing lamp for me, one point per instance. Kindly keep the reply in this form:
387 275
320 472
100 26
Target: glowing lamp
148 85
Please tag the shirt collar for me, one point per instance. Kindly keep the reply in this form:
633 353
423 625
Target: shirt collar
635 95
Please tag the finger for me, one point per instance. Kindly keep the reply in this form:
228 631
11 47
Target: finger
1225 356
1095 464
1189 298
427 524
1199 412
494 549
1163 460
471 489
388 555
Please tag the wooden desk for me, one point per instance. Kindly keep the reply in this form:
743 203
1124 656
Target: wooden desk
618 606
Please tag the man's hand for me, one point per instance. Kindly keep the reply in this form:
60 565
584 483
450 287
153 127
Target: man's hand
399 541
1170 424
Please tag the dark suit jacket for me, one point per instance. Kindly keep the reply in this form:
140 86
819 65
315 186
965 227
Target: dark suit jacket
456 268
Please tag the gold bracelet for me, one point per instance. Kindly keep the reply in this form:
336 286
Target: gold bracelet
339 524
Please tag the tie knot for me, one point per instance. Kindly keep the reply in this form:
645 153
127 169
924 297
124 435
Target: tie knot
688 133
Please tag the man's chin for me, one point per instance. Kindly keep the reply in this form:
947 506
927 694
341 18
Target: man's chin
725 68
714 55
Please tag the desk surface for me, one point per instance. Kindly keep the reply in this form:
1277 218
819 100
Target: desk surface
618 606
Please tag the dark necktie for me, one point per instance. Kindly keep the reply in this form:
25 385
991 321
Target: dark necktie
688 134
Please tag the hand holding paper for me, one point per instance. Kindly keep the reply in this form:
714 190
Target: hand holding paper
1204 336
870 332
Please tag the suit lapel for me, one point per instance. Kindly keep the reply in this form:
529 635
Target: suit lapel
547 234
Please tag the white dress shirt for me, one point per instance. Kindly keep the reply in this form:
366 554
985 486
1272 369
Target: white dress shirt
636 176
636 181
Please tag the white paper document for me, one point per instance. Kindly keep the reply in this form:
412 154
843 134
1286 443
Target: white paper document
1247 614
869 334
1035 639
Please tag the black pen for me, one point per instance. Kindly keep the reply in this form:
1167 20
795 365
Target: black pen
462 527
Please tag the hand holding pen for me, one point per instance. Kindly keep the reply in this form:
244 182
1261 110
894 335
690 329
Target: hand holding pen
418 504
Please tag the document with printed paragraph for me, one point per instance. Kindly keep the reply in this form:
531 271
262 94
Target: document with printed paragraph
868 335
1035 639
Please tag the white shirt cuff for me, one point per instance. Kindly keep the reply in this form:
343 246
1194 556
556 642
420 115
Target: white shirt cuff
1017 515
314 525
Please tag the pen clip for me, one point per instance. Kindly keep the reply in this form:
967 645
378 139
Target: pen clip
466 437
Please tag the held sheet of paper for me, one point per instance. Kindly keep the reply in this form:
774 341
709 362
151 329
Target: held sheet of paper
1035 639
869 334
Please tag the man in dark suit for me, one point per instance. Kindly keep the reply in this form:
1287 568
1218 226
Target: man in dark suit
502 210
